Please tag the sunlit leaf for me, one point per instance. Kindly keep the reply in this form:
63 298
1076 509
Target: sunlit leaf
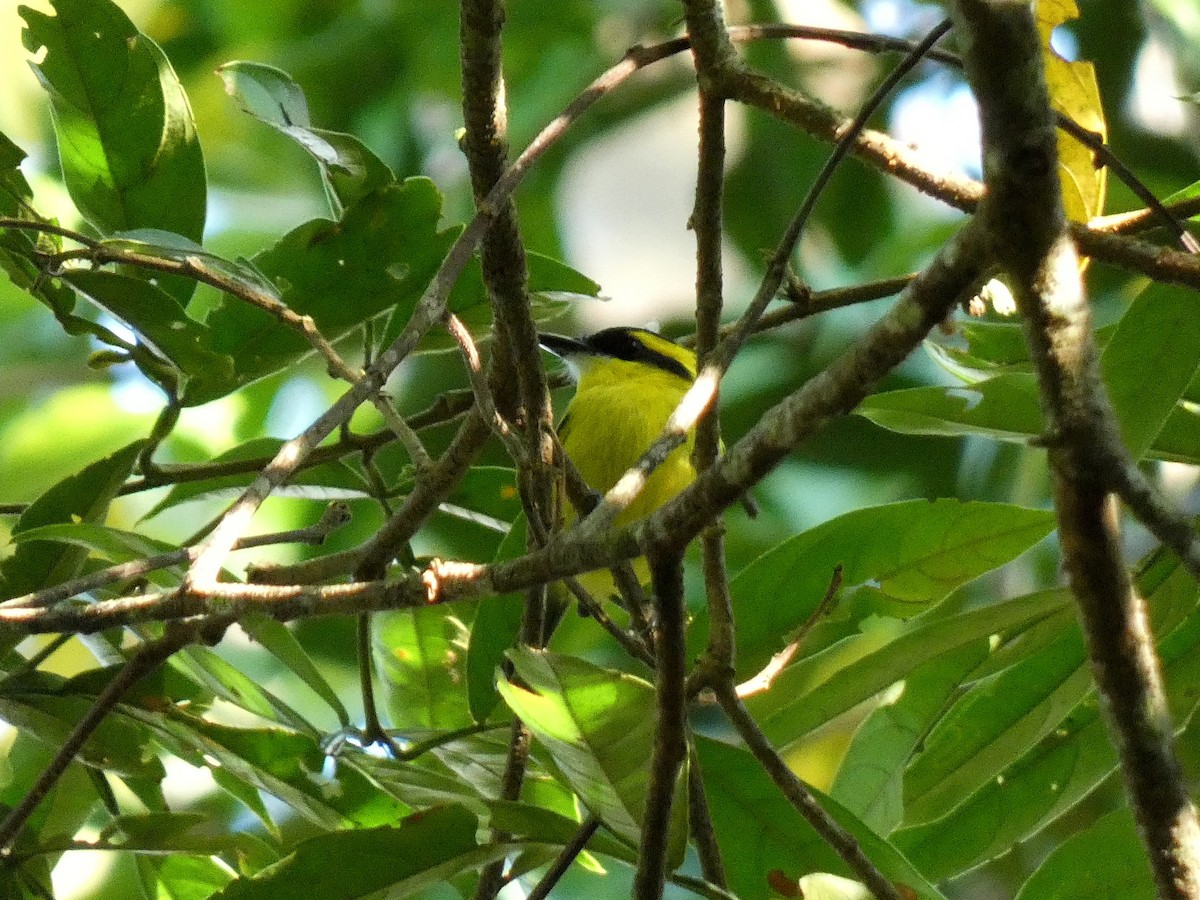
127 141
800 700
1050 778
598 725
918 552
497 624
420 655
1074 93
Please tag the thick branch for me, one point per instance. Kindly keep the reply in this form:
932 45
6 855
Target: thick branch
1024 217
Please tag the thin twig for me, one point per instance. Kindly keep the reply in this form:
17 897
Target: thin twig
632 643
802 799
1096 144
446 408
765 677
146 660
483 391
335 516
565 858
670 725
847 139
701 824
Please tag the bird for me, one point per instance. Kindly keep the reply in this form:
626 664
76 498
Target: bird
628 381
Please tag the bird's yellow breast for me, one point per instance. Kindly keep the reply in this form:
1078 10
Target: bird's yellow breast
618 411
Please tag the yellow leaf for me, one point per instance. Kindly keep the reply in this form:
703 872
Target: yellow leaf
1075 94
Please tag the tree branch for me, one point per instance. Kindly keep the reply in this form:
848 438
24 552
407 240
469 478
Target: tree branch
670 730
802 799
146 660
1024 217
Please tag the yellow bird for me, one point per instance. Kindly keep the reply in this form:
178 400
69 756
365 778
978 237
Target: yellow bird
628 382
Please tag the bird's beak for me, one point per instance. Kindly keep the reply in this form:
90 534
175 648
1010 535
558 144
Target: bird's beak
562 346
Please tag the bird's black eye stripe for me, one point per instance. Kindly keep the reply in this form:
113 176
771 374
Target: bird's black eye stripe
619 343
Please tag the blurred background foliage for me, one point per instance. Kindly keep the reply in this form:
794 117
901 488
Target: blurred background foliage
612 201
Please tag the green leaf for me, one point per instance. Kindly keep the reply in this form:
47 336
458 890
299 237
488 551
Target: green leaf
1150 361
348 168
381 255
425 848
490 491
870 778
230 683
598 725
917 551
418 783
805 696
15 193
1104 862
549 827
286 765
278 639
1005 408
160 323
548 280
127 141
180 877
1050 778
496 628
49 709
333 480
999 717
112 544
170 832
18 247
761 833
1011 709
420 658
84 497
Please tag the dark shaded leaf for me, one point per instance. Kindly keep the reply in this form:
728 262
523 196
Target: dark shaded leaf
426 848
1103 862
160 323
